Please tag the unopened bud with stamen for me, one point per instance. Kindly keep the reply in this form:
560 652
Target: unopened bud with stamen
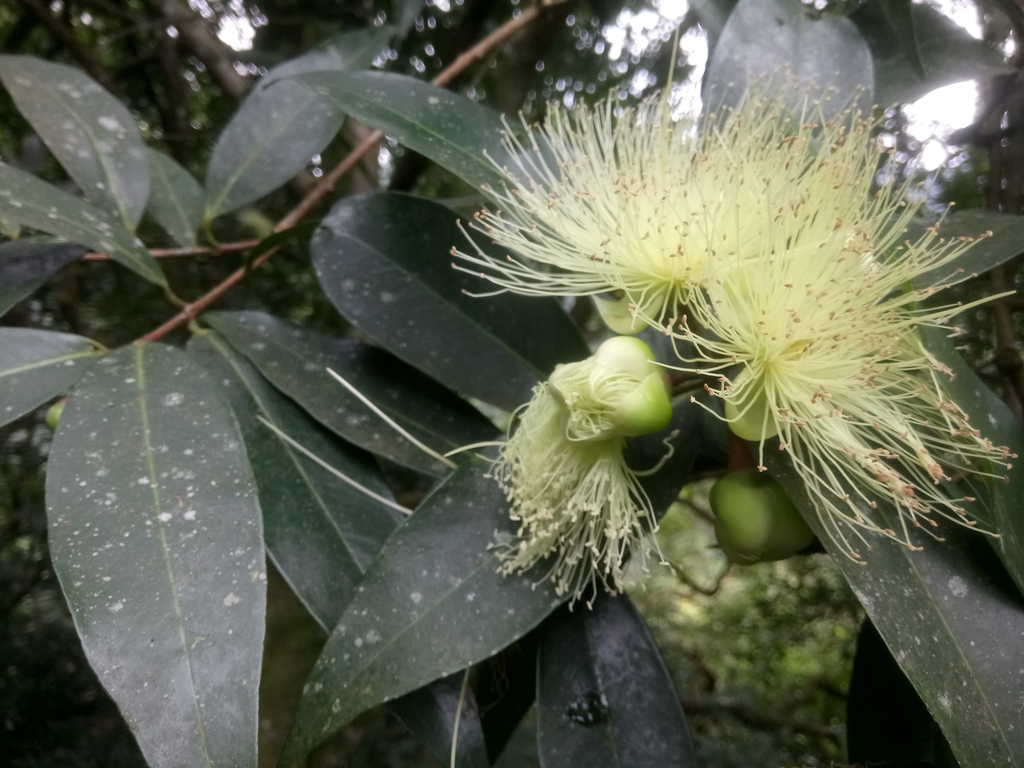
575 498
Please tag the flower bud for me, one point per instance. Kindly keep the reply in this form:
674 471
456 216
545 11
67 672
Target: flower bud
755 521
619 392
54 412
565 476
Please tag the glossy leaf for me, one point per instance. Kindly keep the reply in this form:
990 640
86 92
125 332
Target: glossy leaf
90 132
713 14
385 261
900 15
176 199
432 603
430 714
456 133
281 125
604 695
1003 500
320 531
948 53
521 750
34 203
295 361
36 366
276 239
155 534
1005 242
953 620
506 690
27 263
886 721
776 42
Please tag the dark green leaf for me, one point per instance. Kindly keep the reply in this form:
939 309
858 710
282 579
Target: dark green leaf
155 534
684 438
432 603
949 54
89 131
952 618
406 12
320 531
295 361
886 721
281 125
347 51
176 200
277 239
385 261
521 750
430 713
36 366
506 690
713 14
1003 500
1007 241
456 133
27 200
900 15
604 696
26 264
776 42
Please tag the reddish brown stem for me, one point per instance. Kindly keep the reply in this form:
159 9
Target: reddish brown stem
326 185
201 250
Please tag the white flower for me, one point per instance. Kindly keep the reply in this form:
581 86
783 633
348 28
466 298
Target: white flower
760 245
821 349
563 470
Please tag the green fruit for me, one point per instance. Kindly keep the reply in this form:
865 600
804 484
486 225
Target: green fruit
53 414
754 519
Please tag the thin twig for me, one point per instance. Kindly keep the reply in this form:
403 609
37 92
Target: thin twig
326 185
199 250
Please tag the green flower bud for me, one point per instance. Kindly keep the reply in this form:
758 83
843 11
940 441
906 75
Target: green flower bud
619 392
755 521
53 414
626 354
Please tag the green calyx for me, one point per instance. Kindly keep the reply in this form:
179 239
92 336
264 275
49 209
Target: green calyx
749 415
618 316
755 521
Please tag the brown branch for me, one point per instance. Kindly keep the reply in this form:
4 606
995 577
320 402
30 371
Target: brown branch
201 250
326 185
62 32
688 581
195 33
